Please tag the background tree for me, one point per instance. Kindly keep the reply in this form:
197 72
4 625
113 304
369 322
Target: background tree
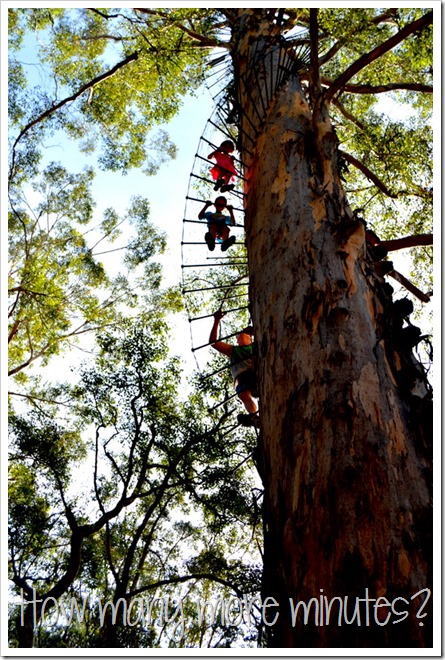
159 492
59 289
344 406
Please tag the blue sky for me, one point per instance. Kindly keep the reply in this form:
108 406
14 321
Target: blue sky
166 191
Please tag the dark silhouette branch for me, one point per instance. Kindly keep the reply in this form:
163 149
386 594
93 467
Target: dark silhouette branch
407 242
184 578
380 89
107 16
315 85
347 114
366 59
367 172
203 40
409 286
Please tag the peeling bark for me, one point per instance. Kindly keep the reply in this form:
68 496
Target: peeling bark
344 451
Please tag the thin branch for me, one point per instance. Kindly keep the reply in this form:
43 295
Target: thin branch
33 398
35 356
185 578
347 114
97 254
73 97
380 89
202 39
366 59
367 172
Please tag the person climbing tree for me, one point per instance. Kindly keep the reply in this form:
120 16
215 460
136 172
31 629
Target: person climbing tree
218 223
241 361
224 169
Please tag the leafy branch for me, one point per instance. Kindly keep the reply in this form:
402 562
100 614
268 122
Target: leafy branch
50 111
365 60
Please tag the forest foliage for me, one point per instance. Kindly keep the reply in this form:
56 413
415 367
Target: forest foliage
120 486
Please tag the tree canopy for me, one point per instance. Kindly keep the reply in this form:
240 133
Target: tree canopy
122 487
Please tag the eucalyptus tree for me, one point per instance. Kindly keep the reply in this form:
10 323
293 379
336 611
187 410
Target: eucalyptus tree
345 445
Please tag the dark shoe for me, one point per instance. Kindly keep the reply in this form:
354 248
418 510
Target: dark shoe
227 187
249 419
210 241
227 243
218 184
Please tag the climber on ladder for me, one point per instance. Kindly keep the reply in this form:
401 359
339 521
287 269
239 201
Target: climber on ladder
241 361
224 170
218 223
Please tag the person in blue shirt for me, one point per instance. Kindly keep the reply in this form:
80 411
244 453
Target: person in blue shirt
218 223
241 367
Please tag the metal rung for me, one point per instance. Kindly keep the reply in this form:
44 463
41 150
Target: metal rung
217 192
210 343
211 144
203 243
226 74
225 263
212 288
227 311
233 256
238 295
222 168
214 373
230 430
203 178
230 136
203 201
204 222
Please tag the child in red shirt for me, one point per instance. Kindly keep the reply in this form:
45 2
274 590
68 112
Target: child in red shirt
224 169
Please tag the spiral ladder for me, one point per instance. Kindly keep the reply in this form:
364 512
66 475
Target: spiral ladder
219 280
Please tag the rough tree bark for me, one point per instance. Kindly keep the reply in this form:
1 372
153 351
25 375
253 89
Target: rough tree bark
344 449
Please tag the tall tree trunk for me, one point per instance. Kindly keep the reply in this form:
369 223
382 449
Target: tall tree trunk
344 450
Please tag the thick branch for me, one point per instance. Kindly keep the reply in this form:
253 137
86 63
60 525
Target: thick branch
401 279
407 242
377 52
14 330
315 86
73 97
